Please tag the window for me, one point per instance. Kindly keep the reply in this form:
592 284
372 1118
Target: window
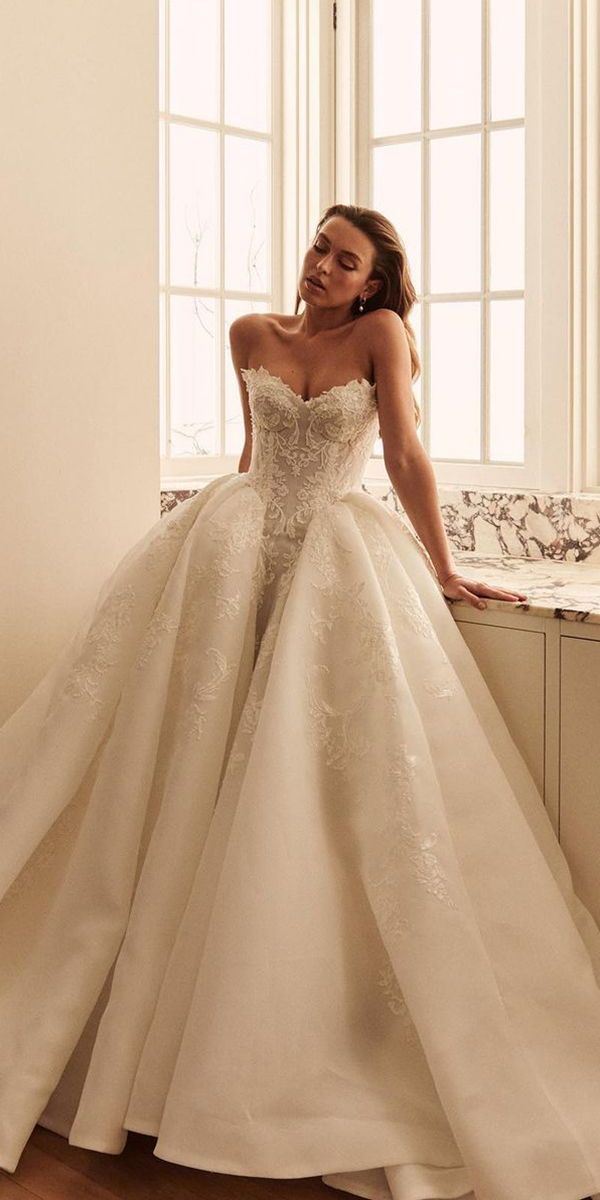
454 120
474 115
218 180
585 235
446 164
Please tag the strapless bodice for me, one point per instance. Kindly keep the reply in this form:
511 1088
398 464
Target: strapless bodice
307 453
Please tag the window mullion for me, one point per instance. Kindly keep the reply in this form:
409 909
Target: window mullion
220 324
485 322
424 348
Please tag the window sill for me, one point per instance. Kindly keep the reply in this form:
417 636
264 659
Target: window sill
561 526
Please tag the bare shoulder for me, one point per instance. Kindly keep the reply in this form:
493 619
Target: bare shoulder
257 321
386 325
244 328
378 332
248 332
388 342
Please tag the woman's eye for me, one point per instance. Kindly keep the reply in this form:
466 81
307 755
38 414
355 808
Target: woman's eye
321 250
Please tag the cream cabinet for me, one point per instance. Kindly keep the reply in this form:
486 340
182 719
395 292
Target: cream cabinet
544 674
512 661
580 763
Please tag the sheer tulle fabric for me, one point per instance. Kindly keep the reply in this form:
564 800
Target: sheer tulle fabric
278 888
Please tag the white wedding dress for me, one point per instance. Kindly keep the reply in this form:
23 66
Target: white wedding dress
278 888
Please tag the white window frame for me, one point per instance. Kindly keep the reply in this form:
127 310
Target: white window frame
302 185
548 396
585 207
562 236
320 156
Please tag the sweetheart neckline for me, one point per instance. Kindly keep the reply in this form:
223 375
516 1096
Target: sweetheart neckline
337 387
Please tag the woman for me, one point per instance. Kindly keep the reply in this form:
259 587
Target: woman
278 888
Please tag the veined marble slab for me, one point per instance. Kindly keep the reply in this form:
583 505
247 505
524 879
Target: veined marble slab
562 526
547 545
554 589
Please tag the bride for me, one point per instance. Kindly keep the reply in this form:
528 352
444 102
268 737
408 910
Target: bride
358 267
277 888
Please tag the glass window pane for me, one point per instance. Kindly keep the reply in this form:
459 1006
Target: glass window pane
194 58
234 421
397 194
455 380
507 208
507 59
162 344
247 214
194 215
396 67
194 425
456 213
247 35
162 100
455 63
507 373
162 246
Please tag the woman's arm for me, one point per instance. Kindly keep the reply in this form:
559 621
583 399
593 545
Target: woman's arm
416 487
407 462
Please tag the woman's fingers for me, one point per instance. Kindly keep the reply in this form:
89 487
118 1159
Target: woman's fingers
472 591
472 597
500 593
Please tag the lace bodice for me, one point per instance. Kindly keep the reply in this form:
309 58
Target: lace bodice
307 453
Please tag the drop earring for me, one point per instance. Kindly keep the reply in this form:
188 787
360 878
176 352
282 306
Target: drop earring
361 306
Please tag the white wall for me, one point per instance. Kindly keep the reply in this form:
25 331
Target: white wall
79 450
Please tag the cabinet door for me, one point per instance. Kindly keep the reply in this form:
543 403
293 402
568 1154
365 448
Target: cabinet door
579 811
512 664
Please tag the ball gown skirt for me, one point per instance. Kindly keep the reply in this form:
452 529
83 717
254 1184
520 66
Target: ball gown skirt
278 888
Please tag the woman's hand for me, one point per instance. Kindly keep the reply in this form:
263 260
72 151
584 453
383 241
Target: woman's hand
456 587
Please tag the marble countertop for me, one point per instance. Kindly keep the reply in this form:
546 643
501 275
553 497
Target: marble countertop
554 589
558 536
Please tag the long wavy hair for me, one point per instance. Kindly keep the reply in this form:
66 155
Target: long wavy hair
390 266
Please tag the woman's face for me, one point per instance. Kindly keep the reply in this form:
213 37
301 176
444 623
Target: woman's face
340 257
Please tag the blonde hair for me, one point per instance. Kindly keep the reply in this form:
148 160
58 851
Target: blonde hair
390 266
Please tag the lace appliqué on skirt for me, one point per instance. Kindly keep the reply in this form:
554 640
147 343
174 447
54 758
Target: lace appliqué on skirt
390 990
102 650
403 843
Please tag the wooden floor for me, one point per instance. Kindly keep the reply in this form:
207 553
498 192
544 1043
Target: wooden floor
51 1169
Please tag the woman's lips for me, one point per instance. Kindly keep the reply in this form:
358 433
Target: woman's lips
317 286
